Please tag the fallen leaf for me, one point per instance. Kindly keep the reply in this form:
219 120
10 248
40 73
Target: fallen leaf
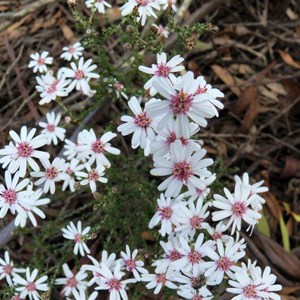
67 31
288 59
263 226
225 76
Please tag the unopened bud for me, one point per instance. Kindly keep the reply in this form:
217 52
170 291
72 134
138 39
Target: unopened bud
190 43
127 47
72 4
68 119
129 29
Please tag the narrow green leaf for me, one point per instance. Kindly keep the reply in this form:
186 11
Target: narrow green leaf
263 226
284 234
296 216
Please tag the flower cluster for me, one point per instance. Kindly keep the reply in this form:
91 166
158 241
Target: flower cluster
191 262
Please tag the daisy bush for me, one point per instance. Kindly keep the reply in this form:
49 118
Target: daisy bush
111 220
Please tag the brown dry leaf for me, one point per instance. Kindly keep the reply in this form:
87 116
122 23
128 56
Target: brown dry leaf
246 98
113 14
147 236
277 88
288 59
250 116
224 75
38 23
67 31
291 168
289 290
286 262
53 20
241 69
273 205
264 91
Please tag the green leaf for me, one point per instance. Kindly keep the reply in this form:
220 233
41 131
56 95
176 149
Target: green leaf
295 216
284 234
263 226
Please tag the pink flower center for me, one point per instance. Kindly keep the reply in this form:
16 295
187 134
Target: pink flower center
99 1
10 196
93 175
239 208
7 269
194 257
78 238
24 149
143 2
165 212
196 221
114 284
201 90
201 193
50 127
79 74
162 70
17 297
181 102
250 292
31 286
182 171
224 264
142 120
171 138
97 146
71 282
72 49
197 297
217 236
52 88
118 86
41 61
131 264
161 278
51 173
174 255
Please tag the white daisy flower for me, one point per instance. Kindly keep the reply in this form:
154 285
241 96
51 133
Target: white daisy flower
34 208
161 30
192 218
77 235
192 294
252 284
192 257
162 69
223 262
53 173
173 131
51 87
97 5
72 51
185 168
92 148
13 197
118 88
159 280
144 8
73 284
217 232
71 168
206 92
80 75
141 125
132 264
92 176
167 214
171 254
7 269
39 61
51 130
31 285
237 207
112 282
181 101
255 189
16 155
109 260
